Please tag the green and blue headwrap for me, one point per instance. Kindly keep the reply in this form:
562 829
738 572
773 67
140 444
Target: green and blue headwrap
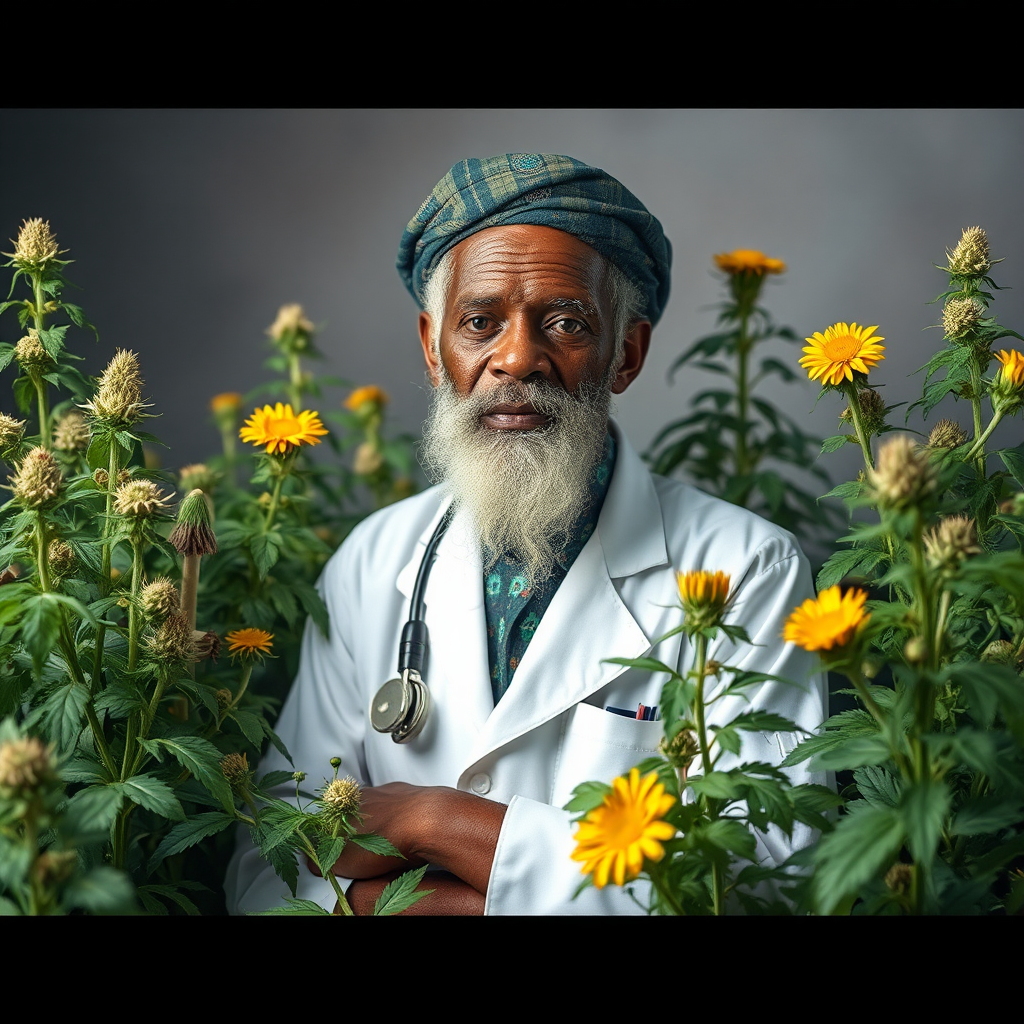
552 191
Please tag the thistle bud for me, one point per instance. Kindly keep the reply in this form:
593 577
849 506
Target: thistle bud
61 557
160 599
31 355
118 398
38 480
291 320
899 877
36 245
872 411
26 767
681 749
236 770
298 776
193 534
971 256
947 434
341 797
12 433
335 763
368 459
949 543
139 498
172 642
71 433
960 317
904 476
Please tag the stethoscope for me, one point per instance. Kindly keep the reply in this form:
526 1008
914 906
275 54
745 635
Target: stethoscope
400 706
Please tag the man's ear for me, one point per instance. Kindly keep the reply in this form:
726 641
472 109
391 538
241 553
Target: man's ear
429 356
638 341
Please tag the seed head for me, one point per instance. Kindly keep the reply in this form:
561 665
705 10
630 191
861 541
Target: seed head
341 797
236 770
904 475
140 498
971 256
947 434
681 749
72 433
38 480
172 641
193 533
160 599
30 353
61 557
12 432
207 644
291 319
197 475
118 397
960 317
36 245
872 410
949 543
26 766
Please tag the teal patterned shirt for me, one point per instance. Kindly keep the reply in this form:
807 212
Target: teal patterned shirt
513 610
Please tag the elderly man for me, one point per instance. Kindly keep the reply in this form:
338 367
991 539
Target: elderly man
540 280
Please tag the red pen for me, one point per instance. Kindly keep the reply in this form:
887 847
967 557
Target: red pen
640 709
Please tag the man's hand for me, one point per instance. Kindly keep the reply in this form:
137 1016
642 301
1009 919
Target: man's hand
434 825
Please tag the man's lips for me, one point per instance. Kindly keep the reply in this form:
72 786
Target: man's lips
514 417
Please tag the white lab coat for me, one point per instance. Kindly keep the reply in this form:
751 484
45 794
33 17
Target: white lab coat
550 731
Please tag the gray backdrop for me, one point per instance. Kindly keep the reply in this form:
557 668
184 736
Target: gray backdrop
190 227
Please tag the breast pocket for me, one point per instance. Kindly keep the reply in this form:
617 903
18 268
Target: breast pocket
597 746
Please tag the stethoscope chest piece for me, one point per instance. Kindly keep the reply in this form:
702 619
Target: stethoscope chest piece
400 706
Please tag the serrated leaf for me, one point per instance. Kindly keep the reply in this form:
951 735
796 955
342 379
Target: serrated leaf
923 807
294 907
251 726
879 787
328 851
853 752
376 844
987 814
90 813
202 759
266 549
104 890
400 894
189 832
586 796
153 794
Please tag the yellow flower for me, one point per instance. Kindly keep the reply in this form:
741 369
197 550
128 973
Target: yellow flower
613 840
1012 371
249 642
843 348
226 401
748 260
704 596
281 429
364 395
828 622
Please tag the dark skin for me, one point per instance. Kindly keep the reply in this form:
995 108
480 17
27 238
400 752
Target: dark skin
526 303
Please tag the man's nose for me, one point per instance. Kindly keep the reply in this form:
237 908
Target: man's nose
520 351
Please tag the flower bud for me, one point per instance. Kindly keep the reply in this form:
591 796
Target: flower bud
224 697
947 434
160 599
54 867
291 319
681 749
26 767
193 532
12 432
1000 652
960 317
904 476
971 256
61 557
118 398
898 878
36 245
38 480
236 770
139 498
207 644
1008 385
949 543
197 476
367 402
299 776
872 411
341 797
916 650
102 477
172 642
71 433
335 763
704 596
31 355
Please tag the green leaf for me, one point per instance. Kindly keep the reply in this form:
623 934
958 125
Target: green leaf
726 835
154 795
294 907
645 664
376 844
251 726
53 340
835 442
853 752
202 759
169 892
63 713
310 599
586 796
104 890
924 806
400 894
986 814
40 627
266 549
189 832
90 813
879 787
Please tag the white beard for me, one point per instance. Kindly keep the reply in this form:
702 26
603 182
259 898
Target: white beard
524 489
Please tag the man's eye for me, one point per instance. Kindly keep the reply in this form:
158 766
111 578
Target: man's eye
478 323
565 325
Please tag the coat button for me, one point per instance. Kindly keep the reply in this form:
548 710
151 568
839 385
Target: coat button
480 783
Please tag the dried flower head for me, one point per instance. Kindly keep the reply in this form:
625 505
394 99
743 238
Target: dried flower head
36 245
704 597
38 480
291 319
139 497
370 395
224 697
72 433
842 349
971 256
749 261
341 797
236 770
960 317
193 532
899 878
951 542
12 433
61 557
904 475
172 641
872 411
368 459
118 397
1000 652
26 766
160 599
947 434
30 353
197 476
681 749
207 644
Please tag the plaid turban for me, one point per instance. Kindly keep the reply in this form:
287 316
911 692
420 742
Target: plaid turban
552 191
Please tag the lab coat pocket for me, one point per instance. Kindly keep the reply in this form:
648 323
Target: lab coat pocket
597 745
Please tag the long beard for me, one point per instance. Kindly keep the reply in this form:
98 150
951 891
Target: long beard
524 489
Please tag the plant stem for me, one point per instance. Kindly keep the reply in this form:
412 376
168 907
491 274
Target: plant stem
343 904
708 806
979 445
858 425
295 381
274 500
979 436
134 622
42 388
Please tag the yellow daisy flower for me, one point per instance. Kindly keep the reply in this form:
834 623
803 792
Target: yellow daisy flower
704 596
1012 371
748 260
613 840
827 622
281 430
249 642
843 348
364 395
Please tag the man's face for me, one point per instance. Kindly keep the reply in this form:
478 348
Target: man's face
531 304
